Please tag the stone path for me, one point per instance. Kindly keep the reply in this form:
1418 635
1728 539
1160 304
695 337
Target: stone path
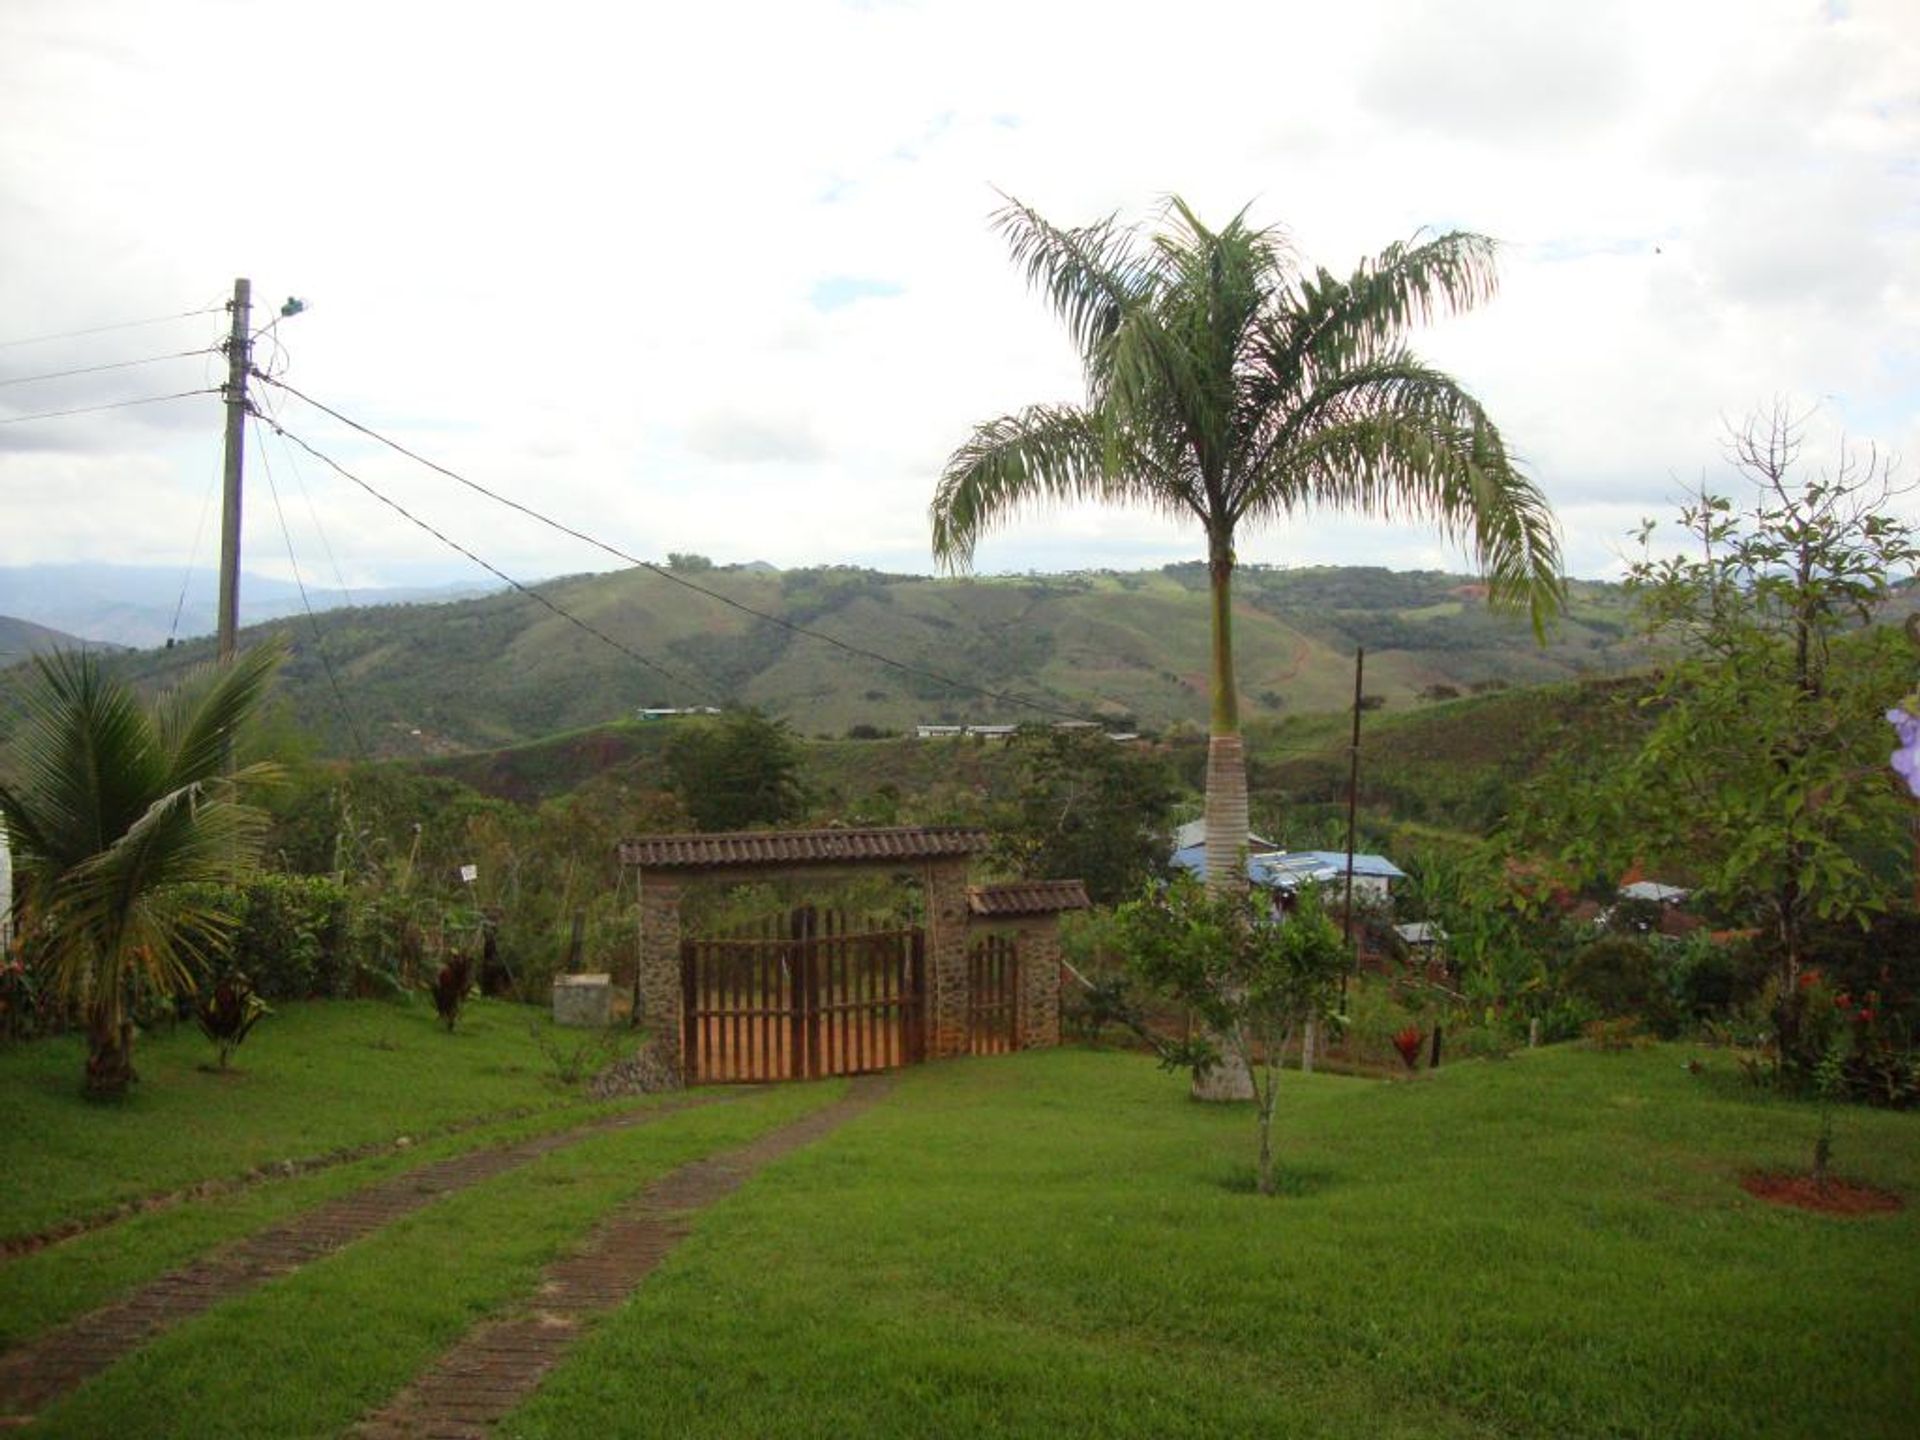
502 1361
41 1371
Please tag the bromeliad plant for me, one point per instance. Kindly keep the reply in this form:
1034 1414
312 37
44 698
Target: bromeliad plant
450 987
1408 1042
227 1013
1253 980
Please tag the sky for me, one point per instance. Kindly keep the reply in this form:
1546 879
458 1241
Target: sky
722 278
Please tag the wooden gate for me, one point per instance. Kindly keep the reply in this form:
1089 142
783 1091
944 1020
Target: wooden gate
818 1000
993 996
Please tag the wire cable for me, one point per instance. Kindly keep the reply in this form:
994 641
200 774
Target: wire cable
112 365
199 529
494 570
113 405
103 329
919 672
313 514
313 621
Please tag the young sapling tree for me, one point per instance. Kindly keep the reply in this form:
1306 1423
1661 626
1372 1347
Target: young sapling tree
1254 980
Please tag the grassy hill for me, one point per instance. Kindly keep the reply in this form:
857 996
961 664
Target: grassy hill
505 669
21 638
1432 773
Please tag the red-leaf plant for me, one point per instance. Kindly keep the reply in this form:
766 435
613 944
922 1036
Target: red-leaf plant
450 987
1407 1042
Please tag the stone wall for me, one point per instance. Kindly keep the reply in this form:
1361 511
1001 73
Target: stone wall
1040 982
945 896
658 993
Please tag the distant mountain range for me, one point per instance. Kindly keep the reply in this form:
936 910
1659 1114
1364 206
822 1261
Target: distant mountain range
136 605
21 638
1130 647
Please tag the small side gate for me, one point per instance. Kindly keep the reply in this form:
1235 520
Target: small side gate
816 1001
993 996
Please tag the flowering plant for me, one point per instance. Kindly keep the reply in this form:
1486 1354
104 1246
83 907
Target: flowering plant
1905 719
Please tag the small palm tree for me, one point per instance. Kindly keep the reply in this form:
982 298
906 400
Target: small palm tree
111 808
1226 386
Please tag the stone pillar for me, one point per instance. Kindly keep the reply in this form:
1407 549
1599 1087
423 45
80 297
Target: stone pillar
945 884
1040 982
659 981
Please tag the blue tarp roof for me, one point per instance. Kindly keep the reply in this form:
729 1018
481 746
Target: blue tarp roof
1289 868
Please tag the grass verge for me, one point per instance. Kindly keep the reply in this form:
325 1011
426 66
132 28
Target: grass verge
1060 1243
314 1079
309 1354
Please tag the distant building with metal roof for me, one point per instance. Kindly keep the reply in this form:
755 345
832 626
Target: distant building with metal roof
1290 869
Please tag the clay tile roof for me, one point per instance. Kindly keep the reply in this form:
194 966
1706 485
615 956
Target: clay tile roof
1027 897
732 849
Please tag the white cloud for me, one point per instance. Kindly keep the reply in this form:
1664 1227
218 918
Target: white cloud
580 253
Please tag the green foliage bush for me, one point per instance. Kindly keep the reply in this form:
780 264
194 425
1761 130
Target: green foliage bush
1620 976
294 935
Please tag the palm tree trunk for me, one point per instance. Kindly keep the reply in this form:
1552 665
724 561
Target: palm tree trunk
109 1056
1226 798
1226 762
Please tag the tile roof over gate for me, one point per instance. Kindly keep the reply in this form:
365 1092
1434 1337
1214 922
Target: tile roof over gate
734 849
1026 897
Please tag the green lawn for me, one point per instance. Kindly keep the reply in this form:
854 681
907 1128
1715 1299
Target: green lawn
1060 1243
313 1079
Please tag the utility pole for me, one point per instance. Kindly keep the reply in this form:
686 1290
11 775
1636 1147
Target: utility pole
239 358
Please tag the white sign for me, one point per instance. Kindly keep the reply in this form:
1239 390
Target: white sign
469 873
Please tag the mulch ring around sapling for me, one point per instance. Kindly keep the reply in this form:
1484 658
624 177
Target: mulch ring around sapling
1836 1197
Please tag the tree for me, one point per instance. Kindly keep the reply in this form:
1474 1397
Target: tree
1227 386
1253 980
1761 771
113 811
1088 809
736 772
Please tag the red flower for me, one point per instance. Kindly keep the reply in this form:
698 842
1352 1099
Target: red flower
1842 1001
1809 979
1865 1017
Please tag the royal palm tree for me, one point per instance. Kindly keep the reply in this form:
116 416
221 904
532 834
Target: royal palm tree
111 809
1226 385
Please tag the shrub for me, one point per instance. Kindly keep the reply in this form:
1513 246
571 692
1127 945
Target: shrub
578 1057
294 936
1620 1033
1618 976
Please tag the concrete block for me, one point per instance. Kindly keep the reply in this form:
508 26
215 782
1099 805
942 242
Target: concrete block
583 1000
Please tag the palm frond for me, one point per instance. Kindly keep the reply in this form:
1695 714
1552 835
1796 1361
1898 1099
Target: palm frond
1090 275
1395 439
86 761
1045 454
199 719
1329 323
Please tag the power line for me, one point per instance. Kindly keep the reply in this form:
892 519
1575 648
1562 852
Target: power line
1005 697
114 405
199 529
493 570
103 329
313 621
313 514
112 365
